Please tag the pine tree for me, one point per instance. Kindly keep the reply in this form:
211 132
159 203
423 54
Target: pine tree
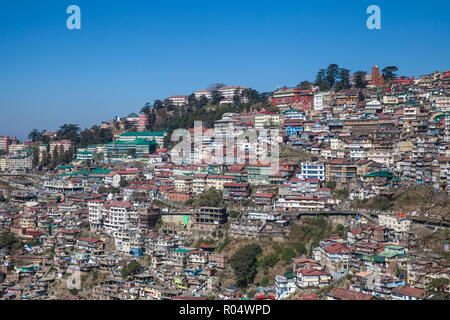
360 79
45 160
55 157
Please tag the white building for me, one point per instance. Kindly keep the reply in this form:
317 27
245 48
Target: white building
16 163
389 100
270 216
112 179
95 213
179 101
319 99
266 118
443 103
203 93
230 92
395 223
284 286
312 170
373 106
312 278
380 156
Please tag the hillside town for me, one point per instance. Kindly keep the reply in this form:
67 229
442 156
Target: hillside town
337 189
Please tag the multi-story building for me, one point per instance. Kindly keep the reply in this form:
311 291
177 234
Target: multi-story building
236 191
179 100
300 203
210 215
312 278
218 181
334 256
389 100
183 184
442 103
348 97
341 170
85 155
130 149
63 185
285 285
18 162
203 93
4 143
118 216
399 224
142 124
381 156
259 173
95 214
266 118
294 98
66 145
312 170
156 136
230 92
447 128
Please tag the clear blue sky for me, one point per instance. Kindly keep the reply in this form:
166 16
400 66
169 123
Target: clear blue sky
131 52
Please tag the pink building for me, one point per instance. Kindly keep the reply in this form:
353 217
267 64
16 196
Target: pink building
65 143
142 125
4 143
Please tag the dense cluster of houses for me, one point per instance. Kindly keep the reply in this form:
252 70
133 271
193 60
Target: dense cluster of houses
374 262
134 199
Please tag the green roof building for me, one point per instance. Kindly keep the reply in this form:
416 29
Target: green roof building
134 149
157 136
85 156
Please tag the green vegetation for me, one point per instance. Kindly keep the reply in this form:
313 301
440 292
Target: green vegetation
288 254
251 293
203 241
161 204
233 214
10 242
73 291
222 245
211 198
95 135
164 115
389 73
437 286
131 268
244 263
333 78
265 281
300 248
360 79
293 154
106 190
95 275
410 199
312 229
342 193
269 261
341 231
331 185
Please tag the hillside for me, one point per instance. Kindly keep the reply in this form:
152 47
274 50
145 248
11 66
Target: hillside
413 198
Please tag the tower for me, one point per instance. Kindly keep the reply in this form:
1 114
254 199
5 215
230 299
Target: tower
377 78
